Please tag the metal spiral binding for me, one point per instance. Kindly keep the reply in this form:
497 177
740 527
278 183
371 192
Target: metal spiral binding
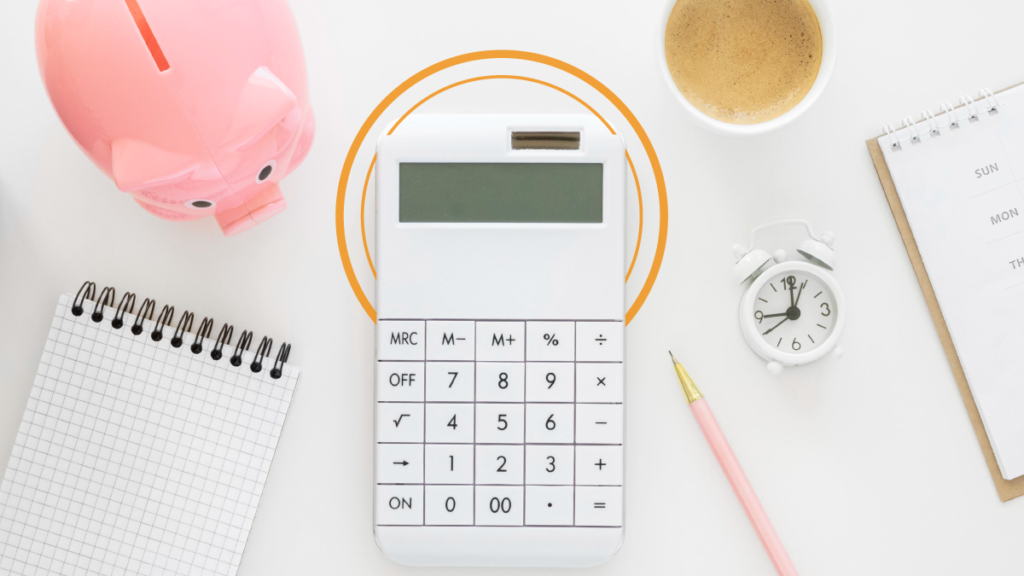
184 326
947 119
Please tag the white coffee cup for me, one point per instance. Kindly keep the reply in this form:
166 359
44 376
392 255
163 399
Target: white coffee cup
829 50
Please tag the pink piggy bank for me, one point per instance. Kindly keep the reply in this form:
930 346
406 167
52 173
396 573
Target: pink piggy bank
194 107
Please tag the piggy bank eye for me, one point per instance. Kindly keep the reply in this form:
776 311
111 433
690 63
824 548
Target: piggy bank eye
266 171
200 204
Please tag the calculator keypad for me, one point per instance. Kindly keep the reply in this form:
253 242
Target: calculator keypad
499 423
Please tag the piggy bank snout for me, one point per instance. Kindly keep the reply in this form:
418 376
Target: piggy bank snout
258 209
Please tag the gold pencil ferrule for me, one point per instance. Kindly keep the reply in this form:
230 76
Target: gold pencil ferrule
689 387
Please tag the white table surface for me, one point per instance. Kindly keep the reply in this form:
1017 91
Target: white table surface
866 465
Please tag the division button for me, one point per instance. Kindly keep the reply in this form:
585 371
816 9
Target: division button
599 342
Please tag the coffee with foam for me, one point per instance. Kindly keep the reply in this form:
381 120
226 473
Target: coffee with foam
743 61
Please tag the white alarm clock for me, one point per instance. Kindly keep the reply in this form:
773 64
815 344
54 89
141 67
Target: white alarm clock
792 312
499 343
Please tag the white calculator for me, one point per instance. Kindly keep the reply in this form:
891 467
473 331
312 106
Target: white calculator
500 297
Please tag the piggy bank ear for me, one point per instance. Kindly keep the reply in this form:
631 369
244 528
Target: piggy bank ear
263 103
137 165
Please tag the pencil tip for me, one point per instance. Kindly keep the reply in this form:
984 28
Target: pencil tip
673 356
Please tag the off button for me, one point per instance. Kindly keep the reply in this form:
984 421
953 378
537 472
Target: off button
401 340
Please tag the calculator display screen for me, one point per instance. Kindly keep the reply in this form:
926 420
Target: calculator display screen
500 192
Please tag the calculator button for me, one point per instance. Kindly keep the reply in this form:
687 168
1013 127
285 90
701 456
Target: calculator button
400 381
599 382
448 464
550 382
400 340
450 381
599 465
399 422
599 341
598 506
499 505
549 505
498 341
549 423
449 423
400 463
499 423
500 382
599 423
499 464
450 340
449 506
549 464
550 341
400 505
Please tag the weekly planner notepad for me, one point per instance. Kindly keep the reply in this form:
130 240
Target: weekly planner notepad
954 183
145 444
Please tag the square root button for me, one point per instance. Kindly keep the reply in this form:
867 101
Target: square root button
599 341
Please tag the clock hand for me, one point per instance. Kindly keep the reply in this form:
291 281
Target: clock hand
791 301
774 315
800 292
774 327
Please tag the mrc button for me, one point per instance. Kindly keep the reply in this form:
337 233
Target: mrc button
401 340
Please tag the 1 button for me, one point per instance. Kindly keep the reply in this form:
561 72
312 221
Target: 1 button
599 382
399 422
550 382
449 423
549 464
598 506
400 381
450 340
500 341
499 423
400 463
448 464
450 382
399 505
549 423
499 465
400 340
599 465
449 506
547 341
599 341
500 382
549 505
499 505
599 423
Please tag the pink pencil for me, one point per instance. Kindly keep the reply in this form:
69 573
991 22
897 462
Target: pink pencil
731 466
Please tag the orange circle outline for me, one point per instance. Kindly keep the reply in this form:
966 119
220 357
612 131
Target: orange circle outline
373 161
514 55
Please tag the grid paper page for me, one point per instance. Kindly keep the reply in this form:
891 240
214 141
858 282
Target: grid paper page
134 457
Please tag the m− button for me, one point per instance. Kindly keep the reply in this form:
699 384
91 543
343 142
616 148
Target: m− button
450 340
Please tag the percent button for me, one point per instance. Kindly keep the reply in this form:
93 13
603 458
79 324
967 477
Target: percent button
550 341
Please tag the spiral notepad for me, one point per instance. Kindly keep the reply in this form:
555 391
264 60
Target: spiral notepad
952 181
144 447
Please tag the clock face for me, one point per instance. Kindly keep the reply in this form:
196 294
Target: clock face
794 312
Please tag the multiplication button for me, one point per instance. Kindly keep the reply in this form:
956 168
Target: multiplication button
598 506
400 505
500 341
599 382
599 341
400 340
550 341
450 340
